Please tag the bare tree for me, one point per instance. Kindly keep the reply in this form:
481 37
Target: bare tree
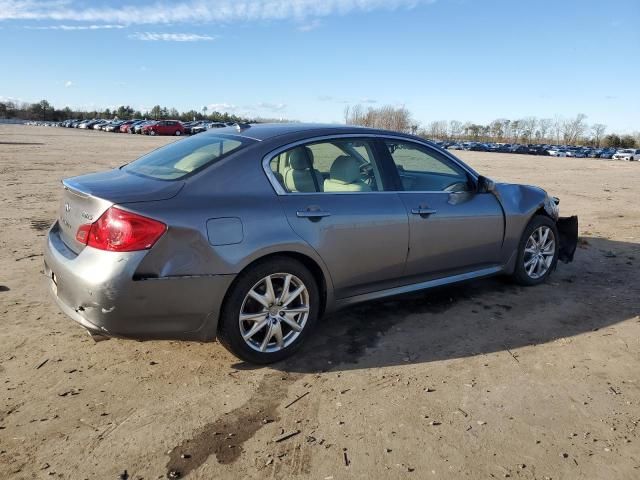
386 117
557 126
597 130
573 129
455 129
528 128
544 127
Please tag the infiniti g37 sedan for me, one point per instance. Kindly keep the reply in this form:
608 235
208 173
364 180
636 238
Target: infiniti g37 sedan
250 234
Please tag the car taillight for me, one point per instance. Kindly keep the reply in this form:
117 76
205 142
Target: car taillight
121 231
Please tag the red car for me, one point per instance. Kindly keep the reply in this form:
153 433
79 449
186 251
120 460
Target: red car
163 127
124 128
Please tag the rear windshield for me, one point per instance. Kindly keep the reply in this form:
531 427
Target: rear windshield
183 157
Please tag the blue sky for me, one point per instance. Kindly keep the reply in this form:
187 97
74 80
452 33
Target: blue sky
471 60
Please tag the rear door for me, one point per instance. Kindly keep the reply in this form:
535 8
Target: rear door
452 228
339 203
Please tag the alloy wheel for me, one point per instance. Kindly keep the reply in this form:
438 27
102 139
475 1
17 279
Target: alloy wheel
274 312
539 252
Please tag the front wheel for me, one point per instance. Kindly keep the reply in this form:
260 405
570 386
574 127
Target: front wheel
178 133
270 310
537 252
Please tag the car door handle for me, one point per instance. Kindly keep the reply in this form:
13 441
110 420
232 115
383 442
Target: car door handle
423 211
312 214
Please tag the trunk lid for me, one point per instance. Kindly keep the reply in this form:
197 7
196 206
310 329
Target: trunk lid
87 197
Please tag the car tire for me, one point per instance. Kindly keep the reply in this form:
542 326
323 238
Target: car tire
531 271
178 133
240 300
152 133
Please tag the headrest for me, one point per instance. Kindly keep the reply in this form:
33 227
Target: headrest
345 169
300 157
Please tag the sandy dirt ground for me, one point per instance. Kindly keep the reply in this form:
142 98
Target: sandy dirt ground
484 380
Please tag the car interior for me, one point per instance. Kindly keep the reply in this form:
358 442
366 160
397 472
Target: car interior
335 166
347 166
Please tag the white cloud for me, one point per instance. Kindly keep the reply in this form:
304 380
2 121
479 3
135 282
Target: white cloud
368 100
272 107
312 25
171 37
77 27
257 109
139 12
222 107
68 84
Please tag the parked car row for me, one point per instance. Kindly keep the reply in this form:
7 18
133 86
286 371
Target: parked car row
545 149
139 126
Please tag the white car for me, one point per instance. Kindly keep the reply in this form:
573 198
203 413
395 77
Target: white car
557 152
629 154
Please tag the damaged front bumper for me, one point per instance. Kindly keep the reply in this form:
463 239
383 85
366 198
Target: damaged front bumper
568 232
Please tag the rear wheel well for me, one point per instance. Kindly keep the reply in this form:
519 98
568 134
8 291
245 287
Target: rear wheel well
308 262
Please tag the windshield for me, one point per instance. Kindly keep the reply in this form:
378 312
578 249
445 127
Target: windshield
625 151
183 157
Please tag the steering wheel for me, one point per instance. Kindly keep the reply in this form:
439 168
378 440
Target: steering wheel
368 176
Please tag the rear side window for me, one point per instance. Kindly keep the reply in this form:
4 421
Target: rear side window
338 165
183 157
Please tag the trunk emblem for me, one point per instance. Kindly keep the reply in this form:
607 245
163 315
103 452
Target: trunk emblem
67 207
87 216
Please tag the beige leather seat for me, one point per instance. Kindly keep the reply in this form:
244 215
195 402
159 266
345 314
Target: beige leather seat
345 176
299 176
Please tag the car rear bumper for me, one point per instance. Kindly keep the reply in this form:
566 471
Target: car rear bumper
97 289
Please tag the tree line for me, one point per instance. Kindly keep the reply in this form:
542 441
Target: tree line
45 111
557 130
528 130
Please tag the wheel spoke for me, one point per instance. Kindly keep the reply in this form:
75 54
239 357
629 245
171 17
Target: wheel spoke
533 265
261 299
253 317
255 329
267 337
269 294
549 247
292 323
529 262
292 296
539 266
276 331
301 309
543 240
285 288
529 250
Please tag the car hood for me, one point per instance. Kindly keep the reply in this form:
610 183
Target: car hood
119 186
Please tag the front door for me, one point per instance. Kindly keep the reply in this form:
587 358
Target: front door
336 201
453 229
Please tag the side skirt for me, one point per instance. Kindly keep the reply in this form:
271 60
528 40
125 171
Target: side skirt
462 277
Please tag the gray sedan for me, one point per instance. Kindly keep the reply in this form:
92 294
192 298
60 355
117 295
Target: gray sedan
250 234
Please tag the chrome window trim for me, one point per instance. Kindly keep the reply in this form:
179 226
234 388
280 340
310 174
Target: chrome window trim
266 161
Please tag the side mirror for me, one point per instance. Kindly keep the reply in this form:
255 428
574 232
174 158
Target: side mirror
485 185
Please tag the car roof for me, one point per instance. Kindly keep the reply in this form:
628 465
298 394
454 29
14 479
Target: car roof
265 131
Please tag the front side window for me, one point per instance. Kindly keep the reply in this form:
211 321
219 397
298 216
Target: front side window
332 166
183 157
422 169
